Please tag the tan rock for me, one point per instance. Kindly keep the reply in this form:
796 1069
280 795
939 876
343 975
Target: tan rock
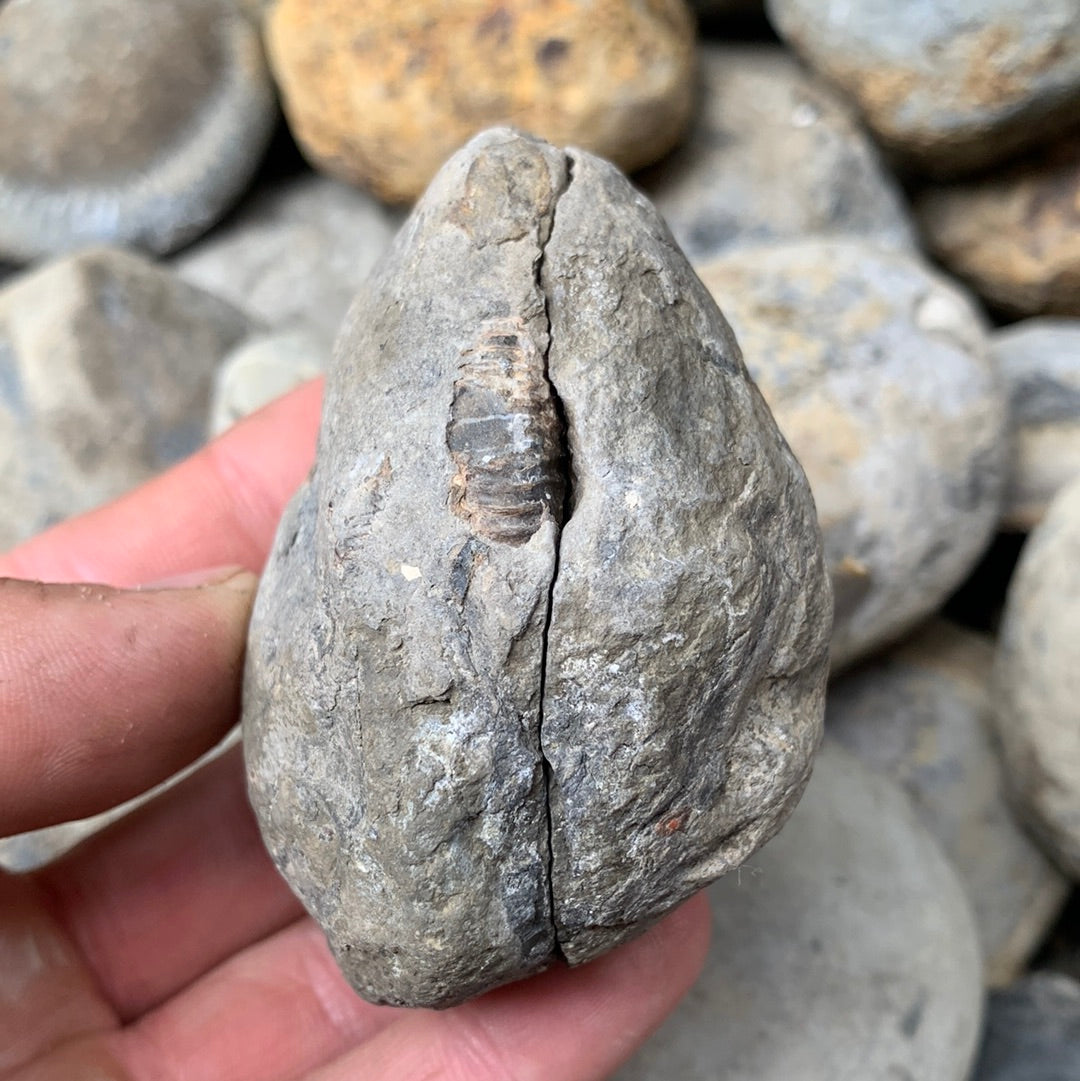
1014 235
381 95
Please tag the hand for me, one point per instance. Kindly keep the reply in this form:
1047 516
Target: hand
167 947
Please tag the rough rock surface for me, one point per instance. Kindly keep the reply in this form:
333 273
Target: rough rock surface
295 255
845 951
125 122
1032 1032
773 154
1038 677
106 365
540 648
1014 235
922 715
1039 360
261 369
950 86
876 371
381 95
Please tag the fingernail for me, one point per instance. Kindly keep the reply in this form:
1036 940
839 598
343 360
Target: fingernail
209 576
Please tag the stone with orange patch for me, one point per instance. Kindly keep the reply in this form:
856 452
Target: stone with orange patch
380 95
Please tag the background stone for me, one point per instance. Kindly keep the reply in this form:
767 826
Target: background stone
381 95
106 364
844 949
949 86
125 122
1014 235
1038 680
772 154
1039 360
876 371
922 715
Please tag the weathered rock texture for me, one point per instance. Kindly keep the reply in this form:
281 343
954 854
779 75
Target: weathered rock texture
773 154
106 365
541 645
922 714
1032 1032
1038 676
950 86
294 255
844 951
877 373
1014 235
1039 360
381 95
125 122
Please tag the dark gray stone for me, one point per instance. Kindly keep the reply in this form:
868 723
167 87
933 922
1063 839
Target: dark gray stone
125 122
540 648
1038 680
106 365
773 154
922 715
876 370
1040 362
1032 1032
951 86
845 949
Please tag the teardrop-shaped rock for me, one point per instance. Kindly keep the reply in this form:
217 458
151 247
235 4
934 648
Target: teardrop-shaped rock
541 645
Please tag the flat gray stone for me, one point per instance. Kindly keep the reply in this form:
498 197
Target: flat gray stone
953 86
844 950
125 122
1038 680
876 370
773 154
1040 362
922 715
106 365
1032 1031
295 255
260 369
540 648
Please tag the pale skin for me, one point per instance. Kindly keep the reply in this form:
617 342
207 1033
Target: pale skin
167 947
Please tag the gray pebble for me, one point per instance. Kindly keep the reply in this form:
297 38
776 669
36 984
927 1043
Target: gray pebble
540 649
106 364
774 154
125 122
950 86
261 369
876 370
1032 1032
843 951
295 255
1039 360
922 715
1038 680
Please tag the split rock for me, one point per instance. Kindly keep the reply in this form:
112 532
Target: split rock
1014 235
259 370
951 87
295 255
1032 1031
1039 360
1038 677
876 370
106 365
773 154
922 715
845 949
540 648
125 122
381 95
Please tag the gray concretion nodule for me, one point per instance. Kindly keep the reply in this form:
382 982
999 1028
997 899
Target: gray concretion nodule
540 649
